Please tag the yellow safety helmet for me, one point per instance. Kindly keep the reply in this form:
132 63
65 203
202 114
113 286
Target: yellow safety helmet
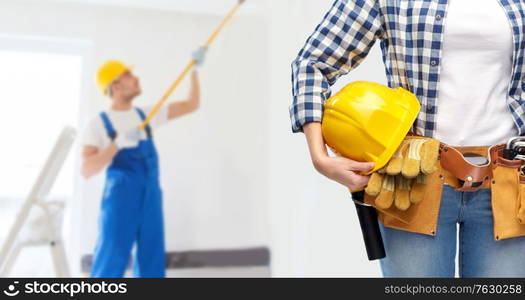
367 121
109 72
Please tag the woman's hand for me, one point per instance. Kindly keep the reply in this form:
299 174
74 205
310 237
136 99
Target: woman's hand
342 170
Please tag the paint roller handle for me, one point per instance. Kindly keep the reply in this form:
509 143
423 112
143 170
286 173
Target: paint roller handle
370 227
189 67
166 95
225 21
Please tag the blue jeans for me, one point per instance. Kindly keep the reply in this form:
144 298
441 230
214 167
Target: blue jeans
417 255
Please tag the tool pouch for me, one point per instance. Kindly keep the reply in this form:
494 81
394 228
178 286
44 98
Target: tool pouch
500 175
521 208
508 196
419 218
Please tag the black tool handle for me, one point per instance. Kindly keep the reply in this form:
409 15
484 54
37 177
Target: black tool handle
370 227
509 154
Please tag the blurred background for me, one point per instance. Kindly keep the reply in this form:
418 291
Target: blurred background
241 197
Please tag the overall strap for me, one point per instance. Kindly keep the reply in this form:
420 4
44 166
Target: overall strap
109 127
143 117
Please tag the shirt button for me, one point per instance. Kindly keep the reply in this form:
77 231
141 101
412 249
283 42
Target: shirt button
433 63
438 17
430 107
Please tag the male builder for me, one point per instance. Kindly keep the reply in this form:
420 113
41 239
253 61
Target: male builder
131 208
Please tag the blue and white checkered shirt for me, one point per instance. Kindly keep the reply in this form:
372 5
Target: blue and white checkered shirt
411 36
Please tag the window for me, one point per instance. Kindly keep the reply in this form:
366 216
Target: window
40 91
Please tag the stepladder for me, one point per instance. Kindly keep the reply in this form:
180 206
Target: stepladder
39 220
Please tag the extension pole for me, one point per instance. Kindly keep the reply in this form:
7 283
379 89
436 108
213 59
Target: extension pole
189 67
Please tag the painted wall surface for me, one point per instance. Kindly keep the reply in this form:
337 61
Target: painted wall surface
234 175
214 162
315 230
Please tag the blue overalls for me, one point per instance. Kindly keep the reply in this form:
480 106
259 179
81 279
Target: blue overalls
131 211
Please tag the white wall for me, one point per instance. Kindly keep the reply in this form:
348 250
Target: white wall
214 7
315 230
213 163
221 164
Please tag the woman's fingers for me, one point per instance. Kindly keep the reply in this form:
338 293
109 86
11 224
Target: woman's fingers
357 166
359 180
345 171
352 180
361 167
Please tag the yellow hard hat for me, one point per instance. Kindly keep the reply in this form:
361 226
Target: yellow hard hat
367 121
108 72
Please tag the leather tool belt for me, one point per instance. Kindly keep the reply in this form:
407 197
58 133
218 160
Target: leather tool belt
503 177
469 177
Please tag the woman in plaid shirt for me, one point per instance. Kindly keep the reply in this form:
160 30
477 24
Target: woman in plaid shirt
465 56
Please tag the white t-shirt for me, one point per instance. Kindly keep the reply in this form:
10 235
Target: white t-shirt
122 121
475 75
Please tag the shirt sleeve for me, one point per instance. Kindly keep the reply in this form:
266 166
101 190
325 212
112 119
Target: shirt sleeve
93 134
160 118
338 45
